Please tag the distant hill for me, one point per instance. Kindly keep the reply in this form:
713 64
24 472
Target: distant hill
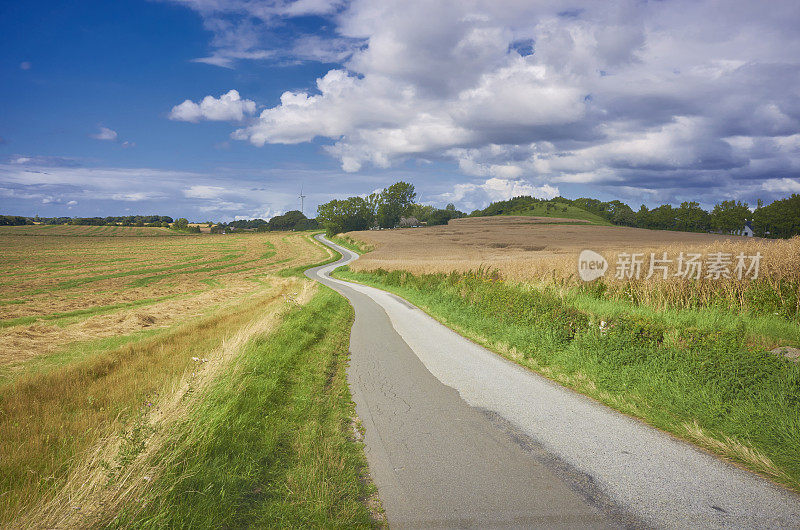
563 211
539 208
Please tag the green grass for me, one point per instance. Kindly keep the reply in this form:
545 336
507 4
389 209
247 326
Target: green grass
298 271
75 352
50 415
671 370
359 247
269 445
760 329
564 211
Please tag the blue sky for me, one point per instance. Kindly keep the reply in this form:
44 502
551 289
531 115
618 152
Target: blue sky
110 108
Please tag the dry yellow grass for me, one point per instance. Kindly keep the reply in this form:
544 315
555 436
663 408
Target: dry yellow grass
92 492
57 424
526 250
161 280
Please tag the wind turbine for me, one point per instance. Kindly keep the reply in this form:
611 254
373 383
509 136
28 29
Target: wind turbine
301 197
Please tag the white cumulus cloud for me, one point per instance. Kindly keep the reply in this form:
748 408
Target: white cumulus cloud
474 195
227 107
622 94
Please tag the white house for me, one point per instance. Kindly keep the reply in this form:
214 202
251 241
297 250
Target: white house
747 231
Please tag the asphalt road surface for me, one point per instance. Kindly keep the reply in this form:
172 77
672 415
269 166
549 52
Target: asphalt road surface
457 436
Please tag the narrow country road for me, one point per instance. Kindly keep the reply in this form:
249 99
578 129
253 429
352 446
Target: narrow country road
457 436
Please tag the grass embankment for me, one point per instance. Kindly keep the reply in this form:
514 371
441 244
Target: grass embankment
691 374
268 447
350 243
50 418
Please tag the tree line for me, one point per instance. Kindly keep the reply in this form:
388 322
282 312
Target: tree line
291 220
127 220
391 207
780 219
14 220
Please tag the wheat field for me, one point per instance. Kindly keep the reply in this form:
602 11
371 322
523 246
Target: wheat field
536 250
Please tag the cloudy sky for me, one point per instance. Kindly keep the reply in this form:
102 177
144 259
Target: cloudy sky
217 109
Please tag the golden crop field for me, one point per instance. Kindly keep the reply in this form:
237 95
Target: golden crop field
56 290
531 250
101 334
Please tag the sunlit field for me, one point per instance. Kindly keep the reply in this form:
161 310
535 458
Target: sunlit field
58 290
545 251
711 360
110 345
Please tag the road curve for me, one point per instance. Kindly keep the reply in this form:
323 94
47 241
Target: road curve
458 436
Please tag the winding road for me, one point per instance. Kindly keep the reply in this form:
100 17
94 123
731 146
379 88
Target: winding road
457 436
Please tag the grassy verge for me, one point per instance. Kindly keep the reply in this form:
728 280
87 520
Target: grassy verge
704 384
269 444
298 271
48 419
359 247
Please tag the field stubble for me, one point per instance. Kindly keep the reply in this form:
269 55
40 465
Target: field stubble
61 290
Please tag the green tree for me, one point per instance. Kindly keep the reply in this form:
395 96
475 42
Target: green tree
691 218
287 221
728 216
181 224
373 202
307 224
345 215
779 219
422 212
624 216
662 217
442 217
643 219
395 201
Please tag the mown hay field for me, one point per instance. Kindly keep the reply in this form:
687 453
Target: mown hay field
60 289
104 338
536 250
88 231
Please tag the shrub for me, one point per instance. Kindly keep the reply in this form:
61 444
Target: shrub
641 331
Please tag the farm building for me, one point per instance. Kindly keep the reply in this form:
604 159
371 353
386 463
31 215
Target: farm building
746 231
